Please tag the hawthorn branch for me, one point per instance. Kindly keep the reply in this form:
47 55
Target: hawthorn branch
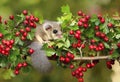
92 58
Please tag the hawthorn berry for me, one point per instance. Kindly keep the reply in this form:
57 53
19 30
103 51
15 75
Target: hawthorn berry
11 17
80 13
110 25
71 32
16 72
31 51
25 12
1 35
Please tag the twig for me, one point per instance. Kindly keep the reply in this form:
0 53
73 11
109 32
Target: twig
81 48
92 58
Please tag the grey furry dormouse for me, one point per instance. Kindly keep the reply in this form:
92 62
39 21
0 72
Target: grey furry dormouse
45 32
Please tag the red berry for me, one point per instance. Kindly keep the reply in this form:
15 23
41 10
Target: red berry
22 30
96 27
36 19
100 17
80 23
78 32
110 25
23 38
80 79
91 47
11 17
7 49
25 34
71 32
102 20
1 35
77 36
80 13
24 64
88 65
84 20
17 33
118 45
97 33
12 42
71 66
73 73
62 59
31 24
85 25
25 12
93 41
102 35
106 39
5 22
81 74
16 72
74 45
19 65
30 51
25 22
27 17
84 69
67 60
80 69
28 29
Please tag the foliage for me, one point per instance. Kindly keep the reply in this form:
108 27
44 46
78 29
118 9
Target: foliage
16 34
83 36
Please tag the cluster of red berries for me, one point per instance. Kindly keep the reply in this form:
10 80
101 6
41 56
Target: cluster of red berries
110 63
29 23
19 66
67 58
102 36
5 46
77 35
97 47
79 72
83 21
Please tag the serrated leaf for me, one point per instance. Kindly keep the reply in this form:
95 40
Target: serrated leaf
59 45
107 45
67 43
65 9
50 52
26 69
74 28
29 37
7 74
117 36
115 55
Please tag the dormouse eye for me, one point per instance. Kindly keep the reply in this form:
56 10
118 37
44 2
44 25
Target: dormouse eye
55 31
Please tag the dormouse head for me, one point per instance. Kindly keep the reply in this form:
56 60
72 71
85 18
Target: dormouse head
53 29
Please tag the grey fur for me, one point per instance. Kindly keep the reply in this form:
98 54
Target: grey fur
39 58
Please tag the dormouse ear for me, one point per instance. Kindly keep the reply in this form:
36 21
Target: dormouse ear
47 26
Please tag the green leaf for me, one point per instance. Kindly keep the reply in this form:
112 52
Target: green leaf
117 36
50 52
106 45
67 43
74 27
26 69
8 74
60 45
65 9
115 55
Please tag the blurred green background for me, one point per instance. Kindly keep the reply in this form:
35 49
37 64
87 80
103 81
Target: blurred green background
50 9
